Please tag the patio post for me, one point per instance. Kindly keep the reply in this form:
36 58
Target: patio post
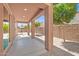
15 28
1 29
12 28
32 28
48 28
28 31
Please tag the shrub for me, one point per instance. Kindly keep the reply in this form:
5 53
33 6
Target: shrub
5 28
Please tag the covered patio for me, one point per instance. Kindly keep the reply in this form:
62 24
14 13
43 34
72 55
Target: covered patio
27 43
27 13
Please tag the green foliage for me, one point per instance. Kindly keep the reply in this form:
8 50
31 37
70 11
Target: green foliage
5 27
64 13
37 24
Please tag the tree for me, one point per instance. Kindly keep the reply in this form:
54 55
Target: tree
64 13
37 24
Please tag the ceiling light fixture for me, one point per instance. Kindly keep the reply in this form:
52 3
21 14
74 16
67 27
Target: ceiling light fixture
23 16
25 9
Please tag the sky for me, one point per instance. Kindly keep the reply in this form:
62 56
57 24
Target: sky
41 19
77 7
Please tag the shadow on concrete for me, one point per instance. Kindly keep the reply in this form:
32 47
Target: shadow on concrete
55 52
71 46
60 52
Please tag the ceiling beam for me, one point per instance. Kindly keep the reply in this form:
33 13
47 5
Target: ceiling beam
7 8
37 14
21 22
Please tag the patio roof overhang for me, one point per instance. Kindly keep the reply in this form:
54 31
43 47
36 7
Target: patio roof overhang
25 12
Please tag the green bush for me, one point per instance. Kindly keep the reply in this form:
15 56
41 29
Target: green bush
5 27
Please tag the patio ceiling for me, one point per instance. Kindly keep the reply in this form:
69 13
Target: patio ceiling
24 12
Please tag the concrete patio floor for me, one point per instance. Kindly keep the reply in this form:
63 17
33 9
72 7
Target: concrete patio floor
25 46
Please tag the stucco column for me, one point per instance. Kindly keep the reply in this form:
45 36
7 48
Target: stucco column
12 28
16 28
28 29
32 28
16 31
48 28
1 29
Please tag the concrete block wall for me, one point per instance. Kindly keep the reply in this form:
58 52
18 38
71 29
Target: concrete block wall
67 32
